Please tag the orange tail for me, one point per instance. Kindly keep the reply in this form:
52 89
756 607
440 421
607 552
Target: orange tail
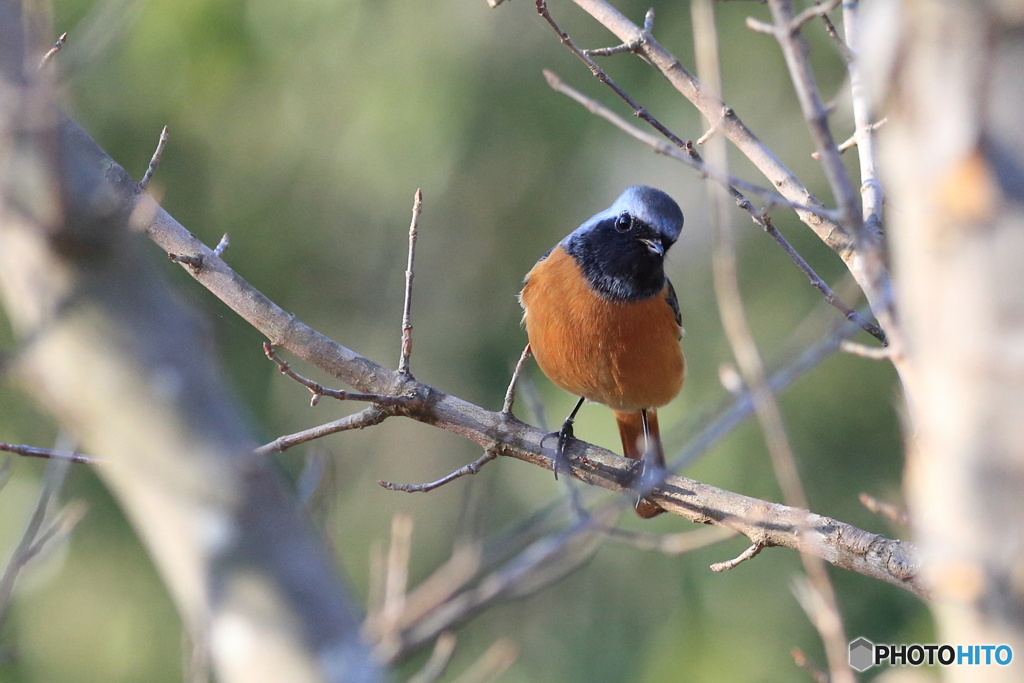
631 429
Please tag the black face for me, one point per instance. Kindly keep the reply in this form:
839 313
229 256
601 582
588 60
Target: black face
621 256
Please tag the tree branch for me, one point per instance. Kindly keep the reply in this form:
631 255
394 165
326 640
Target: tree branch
33 452
761 521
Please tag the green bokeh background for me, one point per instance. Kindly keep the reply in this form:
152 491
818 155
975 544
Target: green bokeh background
302 129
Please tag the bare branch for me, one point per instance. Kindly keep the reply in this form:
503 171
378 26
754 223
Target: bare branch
53 50
852 140
33 452
840 44
471 468
403 362
368 417
872 352
753 551
154 163
608 51
224 243
818 9
893 513
871 195
510 394
319 390
759 26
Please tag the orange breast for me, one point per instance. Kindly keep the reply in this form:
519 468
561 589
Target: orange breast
625 355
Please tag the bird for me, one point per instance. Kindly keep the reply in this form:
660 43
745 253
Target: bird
603 320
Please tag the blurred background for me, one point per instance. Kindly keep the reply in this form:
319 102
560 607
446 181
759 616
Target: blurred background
302 130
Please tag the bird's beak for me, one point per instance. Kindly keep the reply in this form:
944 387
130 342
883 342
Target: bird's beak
654 246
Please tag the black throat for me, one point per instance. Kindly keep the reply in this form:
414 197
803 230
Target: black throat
617 266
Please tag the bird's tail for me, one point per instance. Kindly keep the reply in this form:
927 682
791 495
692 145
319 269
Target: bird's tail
631 429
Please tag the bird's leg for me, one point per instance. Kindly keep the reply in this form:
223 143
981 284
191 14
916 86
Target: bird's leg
564 434
652 464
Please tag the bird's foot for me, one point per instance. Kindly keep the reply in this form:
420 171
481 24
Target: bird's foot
647 474
563 436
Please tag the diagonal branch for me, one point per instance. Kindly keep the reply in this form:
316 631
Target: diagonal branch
761 521
33 452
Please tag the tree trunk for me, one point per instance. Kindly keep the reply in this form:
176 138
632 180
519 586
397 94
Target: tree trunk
950 75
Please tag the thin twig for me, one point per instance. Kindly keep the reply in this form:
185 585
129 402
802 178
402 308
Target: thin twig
715 127
840 44
818 9
893 513
367 417
753 551
758 26
812 669
154 163
471 468
871 194
224 243
318 390
403 362
872 352
53 50
33 452
510 393
608 51
439 658
852 140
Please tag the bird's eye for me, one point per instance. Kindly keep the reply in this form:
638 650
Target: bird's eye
624 222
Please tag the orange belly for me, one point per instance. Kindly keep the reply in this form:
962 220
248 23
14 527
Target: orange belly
625 355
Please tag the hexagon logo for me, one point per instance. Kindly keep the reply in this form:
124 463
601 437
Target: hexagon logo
862 654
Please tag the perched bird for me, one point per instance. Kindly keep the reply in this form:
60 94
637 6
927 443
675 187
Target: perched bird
603 320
